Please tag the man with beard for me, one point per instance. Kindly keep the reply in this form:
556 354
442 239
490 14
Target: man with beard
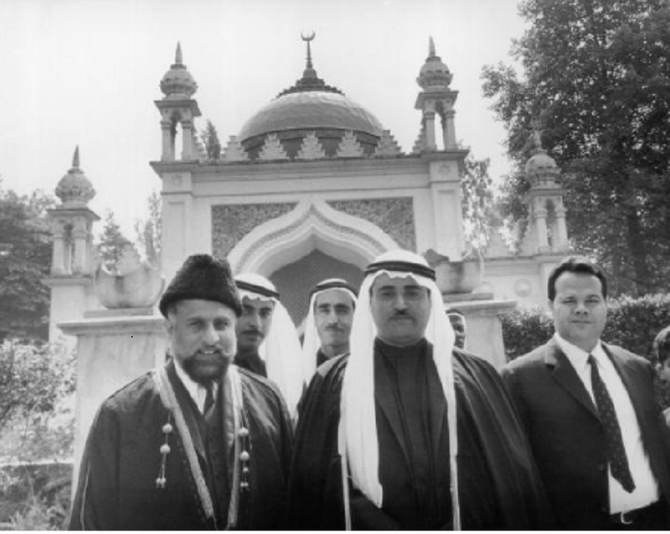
328 325
407 432
267 342
197 443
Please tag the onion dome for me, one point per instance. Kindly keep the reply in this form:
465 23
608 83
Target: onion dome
177 83
74 189
310 107
541 169
434 75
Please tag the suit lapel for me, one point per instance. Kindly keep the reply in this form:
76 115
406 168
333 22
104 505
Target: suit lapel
566 377
629 382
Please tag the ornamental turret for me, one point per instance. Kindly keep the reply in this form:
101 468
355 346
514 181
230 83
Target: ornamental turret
436 98
547 231
74 189
178 109
72 224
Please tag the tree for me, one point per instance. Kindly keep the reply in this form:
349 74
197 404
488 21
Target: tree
25 259
148 232
477 202
597 74
212 144
112 242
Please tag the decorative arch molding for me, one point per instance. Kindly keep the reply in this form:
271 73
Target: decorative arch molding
313 224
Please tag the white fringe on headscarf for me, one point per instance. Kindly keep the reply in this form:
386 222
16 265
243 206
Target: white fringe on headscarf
281 350
311 342
358 425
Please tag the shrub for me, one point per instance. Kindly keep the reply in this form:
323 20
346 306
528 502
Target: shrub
632 323
33 379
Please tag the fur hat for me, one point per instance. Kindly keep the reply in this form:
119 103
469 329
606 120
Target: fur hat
206 278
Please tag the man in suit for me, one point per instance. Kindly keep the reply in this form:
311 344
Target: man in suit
590 414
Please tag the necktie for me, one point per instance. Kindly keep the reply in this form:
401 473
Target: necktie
209 402
616 453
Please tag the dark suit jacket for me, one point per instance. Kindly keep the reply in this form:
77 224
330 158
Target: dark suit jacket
566 434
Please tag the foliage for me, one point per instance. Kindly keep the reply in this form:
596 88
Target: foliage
597 74
25 259
525 329
35 497
477 203
149 231
112 242
33 379
632 323
212 144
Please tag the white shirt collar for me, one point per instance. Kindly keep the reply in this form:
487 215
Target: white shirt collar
579 358
197 391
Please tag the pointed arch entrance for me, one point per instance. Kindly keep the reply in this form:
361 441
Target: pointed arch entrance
308 244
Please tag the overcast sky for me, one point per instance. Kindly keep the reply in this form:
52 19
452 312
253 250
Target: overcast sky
87 72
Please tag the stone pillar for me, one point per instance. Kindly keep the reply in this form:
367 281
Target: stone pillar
483 326
561 228
429 120
58 252
168 141
80 253
540 219
187 140
449 130
112 349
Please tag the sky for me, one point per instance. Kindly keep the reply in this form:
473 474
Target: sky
86 73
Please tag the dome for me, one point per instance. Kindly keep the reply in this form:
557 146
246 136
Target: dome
434 74
308 109
177 83
541 168
74 189
311 110
295 115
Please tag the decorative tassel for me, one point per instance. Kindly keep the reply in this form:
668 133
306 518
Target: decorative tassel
245 456
164 450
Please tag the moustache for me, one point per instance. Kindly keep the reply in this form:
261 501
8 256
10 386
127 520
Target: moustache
252 331
334 328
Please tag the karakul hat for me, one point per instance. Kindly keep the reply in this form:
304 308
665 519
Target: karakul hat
206 278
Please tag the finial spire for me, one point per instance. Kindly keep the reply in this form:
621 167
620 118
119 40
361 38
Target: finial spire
536 125
309 39
75 158
178 59
431 47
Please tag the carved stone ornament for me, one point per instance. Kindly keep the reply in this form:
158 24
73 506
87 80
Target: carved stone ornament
133 284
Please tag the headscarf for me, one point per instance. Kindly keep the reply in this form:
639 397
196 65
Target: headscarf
358 442
281 348
311 341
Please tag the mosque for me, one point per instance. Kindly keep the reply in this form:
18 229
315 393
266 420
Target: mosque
312 187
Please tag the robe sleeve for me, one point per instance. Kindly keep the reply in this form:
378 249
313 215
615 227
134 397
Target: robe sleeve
96 502
315 486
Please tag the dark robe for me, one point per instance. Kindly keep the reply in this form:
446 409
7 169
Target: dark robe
498 482
251 362
321 358
122 460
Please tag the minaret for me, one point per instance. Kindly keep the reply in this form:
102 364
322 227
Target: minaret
436 98
547 229
178 109
73 222
73 258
